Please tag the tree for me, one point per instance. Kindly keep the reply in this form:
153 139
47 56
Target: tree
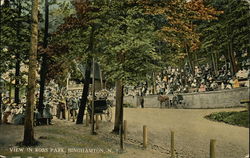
29 117
78 25
44 68
100 30
18 60
229 34
14 39
179 30
81 26
126 40
86 82
5 34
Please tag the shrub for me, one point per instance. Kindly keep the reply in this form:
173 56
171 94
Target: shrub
234 118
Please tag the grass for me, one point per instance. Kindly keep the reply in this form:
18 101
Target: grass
240 118
55 155
65 137
47 147
128 105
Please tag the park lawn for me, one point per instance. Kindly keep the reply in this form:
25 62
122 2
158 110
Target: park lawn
54 155
238 118
59 136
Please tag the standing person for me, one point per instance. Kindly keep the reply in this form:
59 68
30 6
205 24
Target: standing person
6 114
74 107
141 100
47 114
61 110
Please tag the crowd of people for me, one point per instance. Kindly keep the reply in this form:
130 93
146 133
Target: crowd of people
171 81
182 80
57 102
202 79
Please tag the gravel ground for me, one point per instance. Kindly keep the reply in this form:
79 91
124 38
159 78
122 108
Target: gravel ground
192 134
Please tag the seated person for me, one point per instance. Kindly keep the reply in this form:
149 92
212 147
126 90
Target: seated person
228 86
202 88
236 83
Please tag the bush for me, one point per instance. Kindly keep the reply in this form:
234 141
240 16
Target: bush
234 118
127 105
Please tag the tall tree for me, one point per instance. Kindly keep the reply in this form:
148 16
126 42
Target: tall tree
229 35
126 40
14 39
179 29
82 11
18 56
86 82
43 71
28 138
116 34
81 26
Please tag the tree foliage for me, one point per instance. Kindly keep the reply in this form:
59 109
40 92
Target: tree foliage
15 33
232 26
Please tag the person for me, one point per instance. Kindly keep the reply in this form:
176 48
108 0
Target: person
6 115
18 115
214 85
186 89
61 109
202 88
74 107
37 117
222 86
236 83
141 99
228 86
46 113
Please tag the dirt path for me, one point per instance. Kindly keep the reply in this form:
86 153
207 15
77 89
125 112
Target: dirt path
192 135
192 132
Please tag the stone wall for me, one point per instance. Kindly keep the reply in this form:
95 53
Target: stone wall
212 99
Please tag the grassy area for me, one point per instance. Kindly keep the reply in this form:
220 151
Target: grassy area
55 155
240 118
62 140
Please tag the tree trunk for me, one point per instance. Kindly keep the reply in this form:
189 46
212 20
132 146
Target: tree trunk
18 60
119 106
0 105
189 59
230 48
154 85
93 99
85 93
17 79
29 139
232 58
216 62
213 62
10 90
43 71
87 79
101 79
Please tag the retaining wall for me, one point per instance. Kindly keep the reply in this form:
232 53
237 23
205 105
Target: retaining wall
211 99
